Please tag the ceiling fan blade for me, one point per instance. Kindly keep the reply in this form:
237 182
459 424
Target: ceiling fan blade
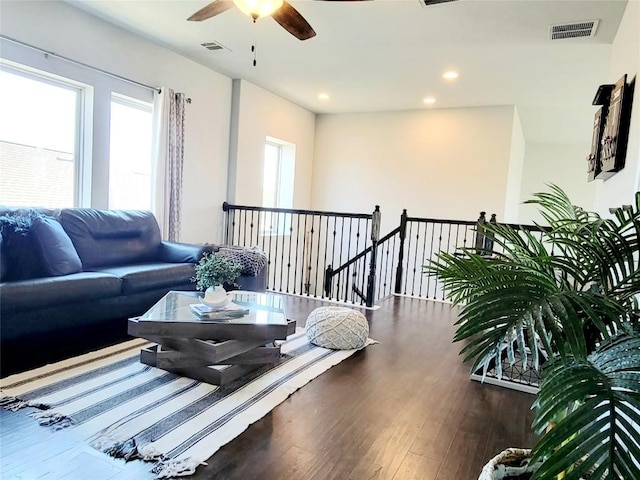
214 8
435 2
294 23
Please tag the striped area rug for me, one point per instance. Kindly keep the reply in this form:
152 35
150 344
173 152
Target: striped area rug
134 411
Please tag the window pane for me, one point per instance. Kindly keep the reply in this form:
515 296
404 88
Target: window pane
270 179
38 132
130 155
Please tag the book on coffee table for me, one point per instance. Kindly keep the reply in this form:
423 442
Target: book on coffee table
230 310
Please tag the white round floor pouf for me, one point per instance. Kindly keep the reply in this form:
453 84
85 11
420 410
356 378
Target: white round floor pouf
338 328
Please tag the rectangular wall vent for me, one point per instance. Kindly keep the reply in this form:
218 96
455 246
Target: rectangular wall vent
213 45
573 30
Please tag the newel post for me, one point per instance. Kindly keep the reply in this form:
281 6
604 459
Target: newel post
375 236
403 236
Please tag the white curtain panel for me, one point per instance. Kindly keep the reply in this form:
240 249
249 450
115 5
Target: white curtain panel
169 113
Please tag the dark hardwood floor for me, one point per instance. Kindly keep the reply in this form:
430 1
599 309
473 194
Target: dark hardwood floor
403 409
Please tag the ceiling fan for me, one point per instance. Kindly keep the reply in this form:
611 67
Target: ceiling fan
280 10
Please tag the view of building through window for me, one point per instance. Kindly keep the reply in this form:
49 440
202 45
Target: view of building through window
39 131
130 154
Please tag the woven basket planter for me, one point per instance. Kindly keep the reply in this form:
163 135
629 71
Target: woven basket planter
512 463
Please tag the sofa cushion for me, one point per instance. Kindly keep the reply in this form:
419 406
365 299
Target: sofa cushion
58 255
112 237
18 259
150 276
48 291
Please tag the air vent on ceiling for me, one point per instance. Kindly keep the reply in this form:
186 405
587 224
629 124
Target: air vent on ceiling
213 46
573 30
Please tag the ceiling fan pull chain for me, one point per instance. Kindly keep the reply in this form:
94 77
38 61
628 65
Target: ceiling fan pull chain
254 47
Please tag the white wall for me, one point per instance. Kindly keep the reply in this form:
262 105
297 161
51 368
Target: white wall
560 164
514 174
58 27
258 114
436 163
625 58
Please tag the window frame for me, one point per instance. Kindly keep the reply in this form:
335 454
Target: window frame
286 152
81 188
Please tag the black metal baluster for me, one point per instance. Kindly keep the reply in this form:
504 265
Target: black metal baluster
415 260
272 267
349 254
225 209
284 237
406 280
309 268
396 238
233 228
275 255
424 258
439 250
251 229
333 247
347 283
244 228
295 268
363 269
289 258
315 283
304 256
326 247
435 280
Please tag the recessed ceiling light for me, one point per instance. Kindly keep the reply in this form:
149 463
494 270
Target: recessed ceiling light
450 75
323 96
429 100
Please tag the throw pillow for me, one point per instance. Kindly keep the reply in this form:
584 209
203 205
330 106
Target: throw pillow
59 256
251 259
2 262
19 261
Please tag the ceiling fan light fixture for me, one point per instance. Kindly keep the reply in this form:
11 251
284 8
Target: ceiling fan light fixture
429 100
258 8
450 75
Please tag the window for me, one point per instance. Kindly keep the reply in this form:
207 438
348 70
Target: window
277 185
130 159
39 138
271 184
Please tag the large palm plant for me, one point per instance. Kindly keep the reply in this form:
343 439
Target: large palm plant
570 290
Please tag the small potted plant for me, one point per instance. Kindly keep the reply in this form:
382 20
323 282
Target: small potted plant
213 272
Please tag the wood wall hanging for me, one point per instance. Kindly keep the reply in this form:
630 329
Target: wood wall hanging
610 129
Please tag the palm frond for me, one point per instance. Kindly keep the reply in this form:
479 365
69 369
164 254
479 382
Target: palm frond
602 431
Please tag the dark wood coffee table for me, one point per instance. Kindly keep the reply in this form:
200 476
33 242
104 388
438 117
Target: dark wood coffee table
212 351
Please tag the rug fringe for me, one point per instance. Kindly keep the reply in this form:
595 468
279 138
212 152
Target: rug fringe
176 468
14 404
130 450
52 419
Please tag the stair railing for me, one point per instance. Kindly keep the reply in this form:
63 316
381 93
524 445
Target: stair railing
304 245
300 244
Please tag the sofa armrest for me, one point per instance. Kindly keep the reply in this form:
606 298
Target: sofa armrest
174 252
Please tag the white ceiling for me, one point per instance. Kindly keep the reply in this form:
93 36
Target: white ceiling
389 54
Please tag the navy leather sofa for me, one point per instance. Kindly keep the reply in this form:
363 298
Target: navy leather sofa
70 278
